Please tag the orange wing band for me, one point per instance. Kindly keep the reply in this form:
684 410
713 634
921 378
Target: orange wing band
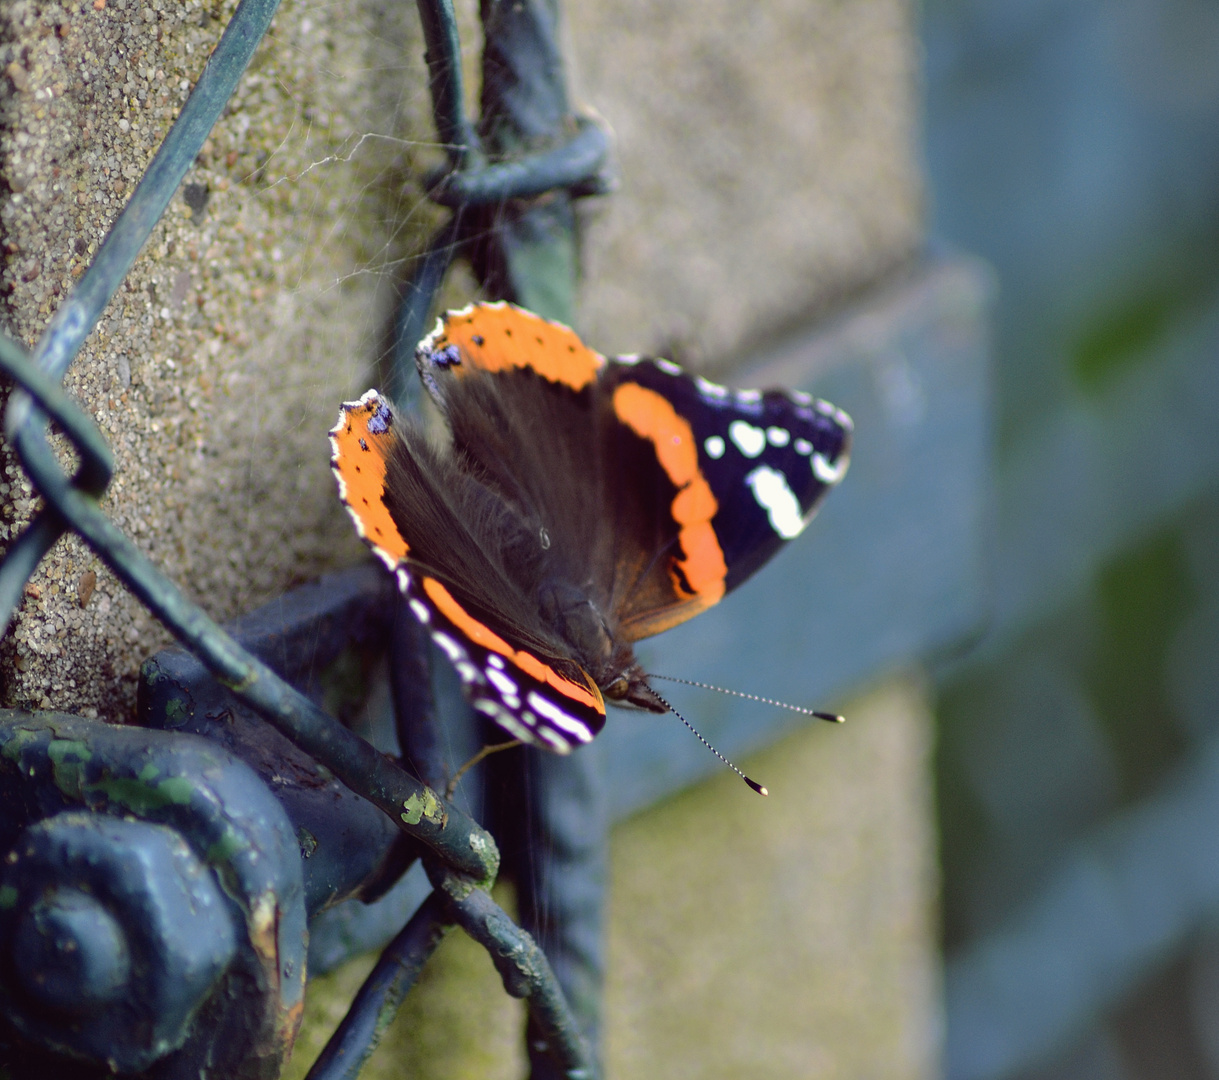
500 336
358 458
700 573
481 634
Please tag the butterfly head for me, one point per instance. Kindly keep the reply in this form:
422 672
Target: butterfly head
629 686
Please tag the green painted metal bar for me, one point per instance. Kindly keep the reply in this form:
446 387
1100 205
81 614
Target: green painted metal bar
524 969
414 307
445 81
575 162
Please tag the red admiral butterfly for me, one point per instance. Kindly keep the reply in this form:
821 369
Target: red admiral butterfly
578 505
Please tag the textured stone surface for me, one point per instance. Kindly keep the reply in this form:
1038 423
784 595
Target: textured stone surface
768 158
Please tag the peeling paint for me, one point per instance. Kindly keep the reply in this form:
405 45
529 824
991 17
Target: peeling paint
177 711
68 758
224 849
58 750
18 741
141 797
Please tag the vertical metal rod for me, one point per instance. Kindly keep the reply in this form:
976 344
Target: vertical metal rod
382 993
445 80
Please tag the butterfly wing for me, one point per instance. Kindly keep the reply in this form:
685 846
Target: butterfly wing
661 491
749 471
450 540
529 406
645 493
360 447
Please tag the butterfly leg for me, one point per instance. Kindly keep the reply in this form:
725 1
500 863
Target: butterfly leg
485 752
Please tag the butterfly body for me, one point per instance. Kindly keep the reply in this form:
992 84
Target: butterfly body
578 505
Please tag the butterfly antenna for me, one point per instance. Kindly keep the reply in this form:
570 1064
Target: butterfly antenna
832 718
752 783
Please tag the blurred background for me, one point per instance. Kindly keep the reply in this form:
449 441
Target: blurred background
1075 146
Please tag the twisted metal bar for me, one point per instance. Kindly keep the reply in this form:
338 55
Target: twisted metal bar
574 164
577 166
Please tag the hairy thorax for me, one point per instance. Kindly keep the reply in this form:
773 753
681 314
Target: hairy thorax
574 616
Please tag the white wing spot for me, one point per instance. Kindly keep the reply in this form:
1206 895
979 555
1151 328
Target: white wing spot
559 718
749 397
451 648
804 447
773 495
668 367
800 397
778 436
420 610
710 389
834 413
496 661
502 683
557 743
827 473
505 719
749 440
714 446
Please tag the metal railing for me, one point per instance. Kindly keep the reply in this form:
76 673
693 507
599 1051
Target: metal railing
485 173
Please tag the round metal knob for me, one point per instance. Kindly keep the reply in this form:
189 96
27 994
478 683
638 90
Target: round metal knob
69 952
112 935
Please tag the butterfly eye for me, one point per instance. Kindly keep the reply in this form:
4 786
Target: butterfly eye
617 689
